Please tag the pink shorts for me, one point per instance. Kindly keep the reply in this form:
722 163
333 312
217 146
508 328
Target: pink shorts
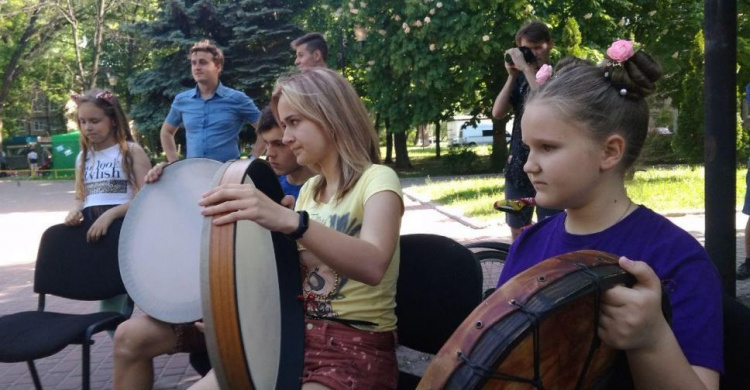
341 357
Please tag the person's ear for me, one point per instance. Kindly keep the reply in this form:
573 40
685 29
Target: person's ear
317 55
613 150
551 43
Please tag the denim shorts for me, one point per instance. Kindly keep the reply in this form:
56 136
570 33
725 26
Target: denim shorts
342 357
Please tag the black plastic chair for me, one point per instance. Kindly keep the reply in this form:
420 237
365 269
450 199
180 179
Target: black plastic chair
491 256
736 345
439 285
32 335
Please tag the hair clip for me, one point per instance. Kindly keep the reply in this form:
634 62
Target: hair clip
606 75
106 96
620 51
544 73
623 92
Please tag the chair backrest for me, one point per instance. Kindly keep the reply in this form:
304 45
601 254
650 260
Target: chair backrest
69 267
439 284
736 345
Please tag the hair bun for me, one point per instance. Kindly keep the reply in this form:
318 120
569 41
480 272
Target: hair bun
637 75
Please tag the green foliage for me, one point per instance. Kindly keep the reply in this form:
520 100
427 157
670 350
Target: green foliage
658 150
571 43
254 35
688 140
460 160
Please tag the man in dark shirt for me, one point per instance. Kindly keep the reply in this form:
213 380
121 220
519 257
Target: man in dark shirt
536 36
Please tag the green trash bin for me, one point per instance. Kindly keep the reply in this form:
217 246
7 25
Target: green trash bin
65 148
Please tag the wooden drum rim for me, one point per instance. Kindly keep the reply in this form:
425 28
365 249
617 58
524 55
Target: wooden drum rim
225 340
499 305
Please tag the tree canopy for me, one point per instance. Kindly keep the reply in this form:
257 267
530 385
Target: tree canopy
414 62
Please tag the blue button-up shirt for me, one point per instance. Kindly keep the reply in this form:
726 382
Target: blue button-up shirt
212 126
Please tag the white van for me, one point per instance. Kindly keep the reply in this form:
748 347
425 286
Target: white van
470 135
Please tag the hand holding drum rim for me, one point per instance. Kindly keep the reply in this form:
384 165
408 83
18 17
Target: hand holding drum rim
154 173
242 201
631 317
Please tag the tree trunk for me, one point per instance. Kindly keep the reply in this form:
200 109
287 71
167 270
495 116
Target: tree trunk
437 139
402 152
99 25
70 15
388 143
499 155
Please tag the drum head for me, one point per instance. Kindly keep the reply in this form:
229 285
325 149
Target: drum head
251 284
160 242
539 326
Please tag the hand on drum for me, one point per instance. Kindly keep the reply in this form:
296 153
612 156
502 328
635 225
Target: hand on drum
631 317
155 172
243 201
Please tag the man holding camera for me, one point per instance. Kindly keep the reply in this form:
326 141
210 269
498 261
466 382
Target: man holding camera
534 43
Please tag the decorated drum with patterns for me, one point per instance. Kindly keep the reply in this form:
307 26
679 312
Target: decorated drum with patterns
538 330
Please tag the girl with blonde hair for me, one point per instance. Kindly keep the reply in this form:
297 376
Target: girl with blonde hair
347 228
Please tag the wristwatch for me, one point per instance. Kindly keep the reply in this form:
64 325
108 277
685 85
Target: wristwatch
304 223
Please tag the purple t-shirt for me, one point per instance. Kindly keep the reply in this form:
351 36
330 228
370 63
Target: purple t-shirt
688 276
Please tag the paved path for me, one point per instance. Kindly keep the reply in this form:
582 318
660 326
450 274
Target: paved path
27 208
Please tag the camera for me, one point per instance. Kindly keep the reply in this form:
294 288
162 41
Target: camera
528 55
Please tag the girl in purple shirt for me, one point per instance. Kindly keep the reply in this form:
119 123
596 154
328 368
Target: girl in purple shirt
585 127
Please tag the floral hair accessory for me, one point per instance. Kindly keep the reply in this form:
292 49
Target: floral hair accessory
621 50
544 73
107 96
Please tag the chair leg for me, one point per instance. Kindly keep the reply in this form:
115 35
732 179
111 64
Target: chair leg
34 375
86 365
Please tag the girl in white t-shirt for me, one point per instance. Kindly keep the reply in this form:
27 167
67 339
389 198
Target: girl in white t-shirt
110 168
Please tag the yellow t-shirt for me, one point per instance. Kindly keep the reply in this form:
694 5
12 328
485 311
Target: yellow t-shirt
330 295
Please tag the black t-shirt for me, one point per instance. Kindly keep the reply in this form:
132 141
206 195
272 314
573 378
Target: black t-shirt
518 151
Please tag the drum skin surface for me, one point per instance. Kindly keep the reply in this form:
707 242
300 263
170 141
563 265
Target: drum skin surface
160 242
554 302
251 282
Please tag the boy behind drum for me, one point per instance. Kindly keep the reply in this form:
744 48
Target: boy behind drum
291 175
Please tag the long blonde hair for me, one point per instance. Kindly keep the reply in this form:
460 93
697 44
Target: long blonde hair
327 99
107 102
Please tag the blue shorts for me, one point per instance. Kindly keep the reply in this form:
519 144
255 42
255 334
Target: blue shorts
523 218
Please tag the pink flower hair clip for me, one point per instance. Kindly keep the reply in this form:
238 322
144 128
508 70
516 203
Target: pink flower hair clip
544 73
620 51
107 96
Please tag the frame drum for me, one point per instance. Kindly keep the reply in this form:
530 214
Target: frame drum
537 331
160 242
251 282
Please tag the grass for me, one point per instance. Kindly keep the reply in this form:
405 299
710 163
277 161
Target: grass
663 189
424 162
